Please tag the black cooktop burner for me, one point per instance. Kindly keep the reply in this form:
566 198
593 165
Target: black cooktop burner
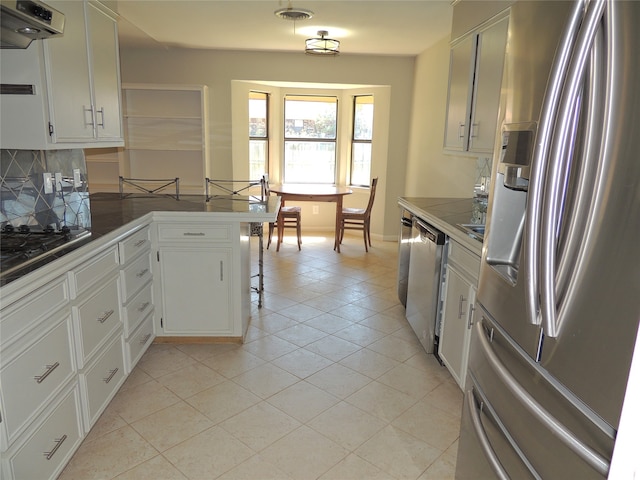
20 246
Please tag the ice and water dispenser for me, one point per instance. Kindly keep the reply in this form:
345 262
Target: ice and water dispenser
507 219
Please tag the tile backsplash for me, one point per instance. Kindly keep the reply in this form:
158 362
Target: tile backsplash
26 201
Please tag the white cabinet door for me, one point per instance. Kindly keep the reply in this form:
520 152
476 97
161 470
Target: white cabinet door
490 61
460 83
67 60
196 290
475 80
103 39
456 325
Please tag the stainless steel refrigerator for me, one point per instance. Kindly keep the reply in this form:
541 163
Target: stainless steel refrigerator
558 302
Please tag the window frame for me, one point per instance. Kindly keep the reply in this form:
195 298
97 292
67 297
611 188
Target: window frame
266 138
356 141
285 139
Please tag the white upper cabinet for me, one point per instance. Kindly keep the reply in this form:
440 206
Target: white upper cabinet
475 78
76 79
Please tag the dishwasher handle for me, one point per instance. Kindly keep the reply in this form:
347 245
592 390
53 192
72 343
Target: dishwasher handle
427 231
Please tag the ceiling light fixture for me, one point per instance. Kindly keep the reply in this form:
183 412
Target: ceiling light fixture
322 45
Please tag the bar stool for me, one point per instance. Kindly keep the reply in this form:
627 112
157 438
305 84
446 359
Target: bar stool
245 190
149 186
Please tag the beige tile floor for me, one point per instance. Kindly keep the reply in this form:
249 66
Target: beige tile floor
330 384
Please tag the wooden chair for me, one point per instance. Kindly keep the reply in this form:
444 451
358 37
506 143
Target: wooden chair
359 218
288 217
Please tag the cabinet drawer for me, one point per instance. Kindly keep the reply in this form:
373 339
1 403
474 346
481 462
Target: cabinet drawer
93 271
22 314
135 276
49 448
134 244
96 318
139 342
465 260
102 379
139 306
194 232
36 375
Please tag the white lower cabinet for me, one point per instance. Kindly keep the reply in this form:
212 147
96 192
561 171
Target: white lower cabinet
460 292
196 290
101 380
43 452
198 282
138 342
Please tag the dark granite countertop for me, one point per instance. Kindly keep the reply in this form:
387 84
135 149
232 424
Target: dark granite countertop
445 214
109 212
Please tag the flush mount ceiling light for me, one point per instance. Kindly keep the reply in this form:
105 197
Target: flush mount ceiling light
322 45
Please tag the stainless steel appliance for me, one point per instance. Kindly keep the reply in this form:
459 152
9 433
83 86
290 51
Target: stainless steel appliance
404 254
26 20
423 293
558 307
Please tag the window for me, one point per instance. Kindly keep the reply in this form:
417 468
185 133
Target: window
258 135
310 126
361 141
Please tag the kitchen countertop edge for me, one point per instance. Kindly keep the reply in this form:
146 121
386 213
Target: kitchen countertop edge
444 214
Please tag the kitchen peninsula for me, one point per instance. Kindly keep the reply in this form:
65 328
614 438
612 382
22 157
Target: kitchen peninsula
74 327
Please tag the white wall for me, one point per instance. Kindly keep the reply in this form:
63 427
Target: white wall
430 172
218 70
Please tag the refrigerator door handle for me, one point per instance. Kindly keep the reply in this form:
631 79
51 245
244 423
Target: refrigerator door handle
485 444
566 436
560 157
538 161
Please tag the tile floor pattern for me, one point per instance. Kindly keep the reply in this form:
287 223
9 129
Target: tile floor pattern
330 384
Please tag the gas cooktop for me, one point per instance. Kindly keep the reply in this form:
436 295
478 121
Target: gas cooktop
22 246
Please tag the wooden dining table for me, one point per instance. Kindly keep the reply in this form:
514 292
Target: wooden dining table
315 193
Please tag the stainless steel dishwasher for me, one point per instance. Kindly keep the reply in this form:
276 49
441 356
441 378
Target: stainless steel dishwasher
425 273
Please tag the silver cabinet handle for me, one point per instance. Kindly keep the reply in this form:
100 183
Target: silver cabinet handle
143 306
101 112
145 339
106 315
139 243
472 309
88 110
461 130
58 444
111 374
194 234
474 127
50 368
142 273
460 307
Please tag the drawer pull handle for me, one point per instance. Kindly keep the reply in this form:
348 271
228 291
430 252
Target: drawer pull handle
58 443
139 243
111 374
106 315
194 234
143 306
142 273
50 368
144 339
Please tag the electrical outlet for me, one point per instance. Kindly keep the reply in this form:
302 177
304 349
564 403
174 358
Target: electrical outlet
316 209
58 185
77 180
47 180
